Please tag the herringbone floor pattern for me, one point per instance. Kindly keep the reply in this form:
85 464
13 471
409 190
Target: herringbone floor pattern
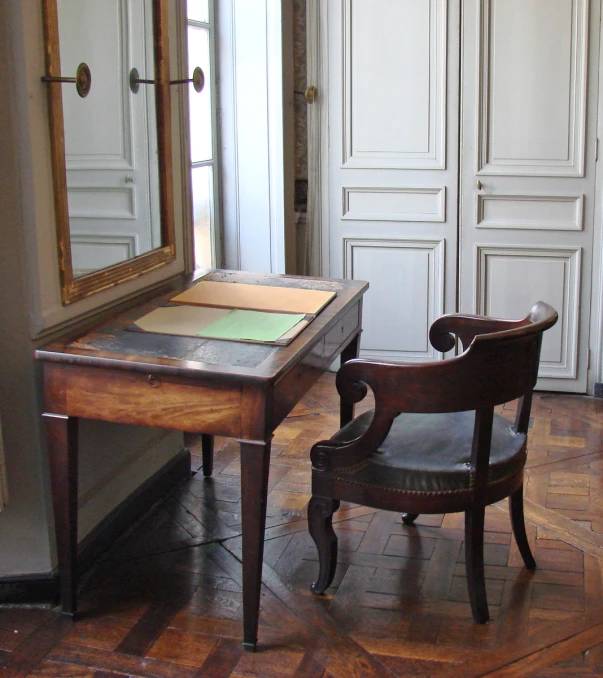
166 601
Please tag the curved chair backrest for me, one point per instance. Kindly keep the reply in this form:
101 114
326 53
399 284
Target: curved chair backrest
500 364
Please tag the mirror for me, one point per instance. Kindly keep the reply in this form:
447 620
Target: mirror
111 145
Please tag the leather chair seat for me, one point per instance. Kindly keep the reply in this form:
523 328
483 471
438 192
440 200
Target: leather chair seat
431 453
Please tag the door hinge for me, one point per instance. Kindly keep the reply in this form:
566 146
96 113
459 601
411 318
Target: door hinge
588 359
596 148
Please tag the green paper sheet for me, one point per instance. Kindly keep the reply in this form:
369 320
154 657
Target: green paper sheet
251 325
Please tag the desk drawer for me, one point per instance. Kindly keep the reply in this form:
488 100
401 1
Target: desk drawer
339 335
142 399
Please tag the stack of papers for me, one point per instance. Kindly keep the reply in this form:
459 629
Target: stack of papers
237 312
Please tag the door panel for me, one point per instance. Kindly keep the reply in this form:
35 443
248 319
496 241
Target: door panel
549 212
402 319
402 43
393 107
533 58
527 169
504 274
394 204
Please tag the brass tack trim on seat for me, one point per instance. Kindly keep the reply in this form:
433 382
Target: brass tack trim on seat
397 491
356 467
416 492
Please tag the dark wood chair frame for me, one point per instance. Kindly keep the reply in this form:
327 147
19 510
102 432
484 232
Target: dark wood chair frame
499 364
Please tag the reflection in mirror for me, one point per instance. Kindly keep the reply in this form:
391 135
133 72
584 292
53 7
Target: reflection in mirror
112 150
197 10
111 136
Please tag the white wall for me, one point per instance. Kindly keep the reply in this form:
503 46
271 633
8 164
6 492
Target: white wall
24 524
114 460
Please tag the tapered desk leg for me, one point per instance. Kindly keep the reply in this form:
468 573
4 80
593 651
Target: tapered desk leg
63 456
346 410
207 450
255 464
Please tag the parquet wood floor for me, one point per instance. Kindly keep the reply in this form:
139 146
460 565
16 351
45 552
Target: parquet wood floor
166 600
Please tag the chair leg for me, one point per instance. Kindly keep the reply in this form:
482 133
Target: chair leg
320 523
409 518
519 528
474 563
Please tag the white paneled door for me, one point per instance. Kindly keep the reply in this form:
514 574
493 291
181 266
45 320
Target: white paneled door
528 169
482 203
393 180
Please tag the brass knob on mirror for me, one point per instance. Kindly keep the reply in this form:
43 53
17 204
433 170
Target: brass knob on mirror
136 81
82 80
198 80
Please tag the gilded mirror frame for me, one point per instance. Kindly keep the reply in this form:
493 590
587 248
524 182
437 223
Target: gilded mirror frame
72 288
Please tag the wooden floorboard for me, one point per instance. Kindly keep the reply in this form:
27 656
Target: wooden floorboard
166 600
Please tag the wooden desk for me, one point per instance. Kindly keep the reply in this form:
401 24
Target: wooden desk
234 389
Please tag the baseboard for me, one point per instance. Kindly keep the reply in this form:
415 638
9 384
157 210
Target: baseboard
32 589
598 393
44 588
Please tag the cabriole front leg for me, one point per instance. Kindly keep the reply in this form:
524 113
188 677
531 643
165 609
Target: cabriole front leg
62 434
320 524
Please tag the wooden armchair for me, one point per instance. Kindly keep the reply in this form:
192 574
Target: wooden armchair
433 443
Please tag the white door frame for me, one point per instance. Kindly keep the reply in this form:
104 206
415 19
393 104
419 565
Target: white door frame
255 91
595 370
318 122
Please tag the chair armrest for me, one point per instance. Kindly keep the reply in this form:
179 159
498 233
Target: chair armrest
397 387
327 455
405 387
466 327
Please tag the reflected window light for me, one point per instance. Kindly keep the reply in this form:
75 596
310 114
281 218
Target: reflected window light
202 143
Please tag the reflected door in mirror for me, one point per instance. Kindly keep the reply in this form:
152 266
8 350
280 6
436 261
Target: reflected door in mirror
110 136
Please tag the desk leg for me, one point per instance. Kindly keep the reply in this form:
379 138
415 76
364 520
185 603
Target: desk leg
63 456
255 463
207 450
207 454
346 410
